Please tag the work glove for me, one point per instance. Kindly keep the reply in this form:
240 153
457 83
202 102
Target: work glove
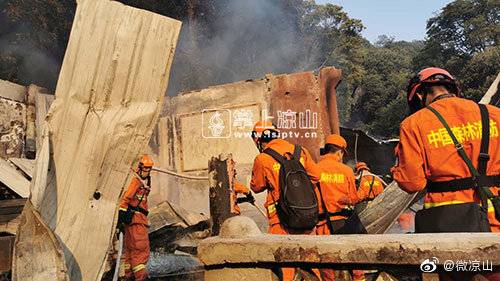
122 217
120 228
250 198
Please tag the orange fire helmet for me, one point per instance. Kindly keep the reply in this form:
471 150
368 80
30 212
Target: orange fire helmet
146 161
336 140
263 129
426 77
361 166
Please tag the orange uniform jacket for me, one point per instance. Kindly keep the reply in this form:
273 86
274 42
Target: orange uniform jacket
426 151
336 182
265 174
132 196
368 179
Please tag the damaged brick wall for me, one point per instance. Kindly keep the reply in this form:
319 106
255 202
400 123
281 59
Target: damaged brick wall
200 124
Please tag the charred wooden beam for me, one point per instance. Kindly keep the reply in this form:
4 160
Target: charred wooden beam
220 190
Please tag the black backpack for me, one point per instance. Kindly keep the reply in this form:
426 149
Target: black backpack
297 205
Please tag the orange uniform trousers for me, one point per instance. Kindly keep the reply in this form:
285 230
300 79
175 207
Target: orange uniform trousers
329 274
136 248
289 272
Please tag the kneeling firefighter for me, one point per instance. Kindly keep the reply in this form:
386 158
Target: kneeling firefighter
133 221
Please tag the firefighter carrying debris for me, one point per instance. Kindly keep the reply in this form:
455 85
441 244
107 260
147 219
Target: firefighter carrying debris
133 221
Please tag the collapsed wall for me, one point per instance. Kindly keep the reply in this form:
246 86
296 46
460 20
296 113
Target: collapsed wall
200 124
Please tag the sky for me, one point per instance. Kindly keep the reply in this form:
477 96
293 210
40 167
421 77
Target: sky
402 19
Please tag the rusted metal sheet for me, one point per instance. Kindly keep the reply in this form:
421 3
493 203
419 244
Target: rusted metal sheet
12 128
299 107
329 79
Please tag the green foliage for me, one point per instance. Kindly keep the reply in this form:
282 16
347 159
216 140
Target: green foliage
480 72
379 104
463 39
338 40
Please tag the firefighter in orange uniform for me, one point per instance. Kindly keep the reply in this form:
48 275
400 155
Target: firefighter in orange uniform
450 147
133 221
370 185
337 192
265 176
427 156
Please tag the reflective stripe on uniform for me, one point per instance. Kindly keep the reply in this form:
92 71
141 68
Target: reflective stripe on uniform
139 267
123 209
438 204
271 209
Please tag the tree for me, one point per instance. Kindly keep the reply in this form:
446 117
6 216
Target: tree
463 39
338 41
480 72
379 106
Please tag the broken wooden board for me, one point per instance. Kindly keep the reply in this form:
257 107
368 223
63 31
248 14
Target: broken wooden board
492 96
25 165
383 211
10 209
42 105
109 94
10 226
37 252
41 175
35 240
10 212
12 91
13 179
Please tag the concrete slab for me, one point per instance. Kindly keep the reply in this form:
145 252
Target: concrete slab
359 250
